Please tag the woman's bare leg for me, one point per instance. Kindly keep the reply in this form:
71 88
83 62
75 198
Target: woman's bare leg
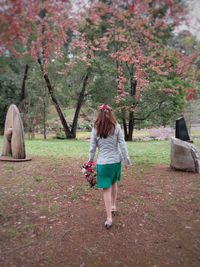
107 200
114 190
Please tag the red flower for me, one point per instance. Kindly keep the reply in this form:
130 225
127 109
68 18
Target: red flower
191 94
89 172
131 8
105 107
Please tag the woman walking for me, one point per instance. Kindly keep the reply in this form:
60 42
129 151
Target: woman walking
107 135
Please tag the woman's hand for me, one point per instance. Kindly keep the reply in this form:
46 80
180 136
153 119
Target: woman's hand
127 166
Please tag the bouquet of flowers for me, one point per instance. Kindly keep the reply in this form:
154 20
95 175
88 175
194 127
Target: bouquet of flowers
88 169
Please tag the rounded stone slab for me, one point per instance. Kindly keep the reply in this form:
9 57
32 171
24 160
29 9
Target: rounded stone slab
5 158
184 156
13 143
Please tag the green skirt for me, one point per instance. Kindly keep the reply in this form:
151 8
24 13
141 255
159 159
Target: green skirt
108 174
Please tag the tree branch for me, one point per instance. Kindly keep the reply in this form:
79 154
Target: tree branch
80 102
152 111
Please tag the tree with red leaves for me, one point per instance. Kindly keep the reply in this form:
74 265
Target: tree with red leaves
42 30
133 34
136 37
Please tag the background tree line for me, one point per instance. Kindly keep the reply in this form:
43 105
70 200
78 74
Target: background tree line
122 54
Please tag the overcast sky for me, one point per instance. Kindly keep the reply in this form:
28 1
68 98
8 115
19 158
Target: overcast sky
193 18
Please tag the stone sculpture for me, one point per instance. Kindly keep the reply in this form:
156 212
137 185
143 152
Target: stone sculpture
184 156
181 130
13 144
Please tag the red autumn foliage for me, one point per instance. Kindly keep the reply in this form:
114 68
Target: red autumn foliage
190 94
136 34
40 29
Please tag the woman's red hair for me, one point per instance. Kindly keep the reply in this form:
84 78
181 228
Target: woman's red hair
105 123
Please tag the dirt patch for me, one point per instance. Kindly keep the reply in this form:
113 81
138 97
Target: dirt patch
50 217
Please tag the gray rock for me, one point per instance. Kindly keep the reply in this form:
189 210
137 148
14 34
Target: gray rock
184 156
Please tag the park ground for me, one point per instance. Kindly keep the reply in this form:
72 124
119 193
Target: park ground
50 217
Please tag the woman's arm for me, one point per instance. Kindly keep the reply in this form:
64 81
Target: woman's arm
93 144
123 146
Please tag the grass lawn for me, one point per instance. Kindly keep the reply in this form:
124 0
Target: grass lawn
148 152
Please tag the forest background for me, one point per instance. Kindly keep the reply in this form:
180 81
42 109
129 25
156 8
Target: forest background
60 60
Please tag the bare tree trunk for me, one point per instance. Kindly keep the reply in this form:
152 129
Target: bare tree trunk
44 119
45 105
22 103
124 125
130 126
34 123
128 129
66 128
23 91
57 106
79 105
133 84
